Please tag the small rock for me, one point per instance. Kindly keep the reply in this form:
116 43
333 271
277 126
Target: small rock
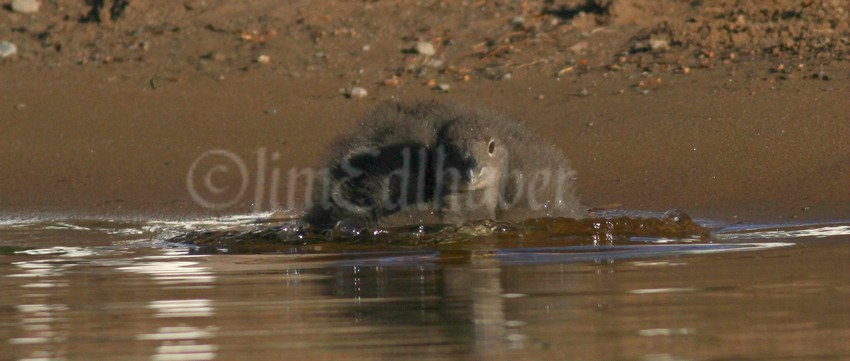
659 45
584 21
424 48
518 21
357 92
264 59
435 63
20 106
820 75
507 76
579 47
25 6
395 81
214 56
194 4
640 46
444 87
741 21
7 49
583 92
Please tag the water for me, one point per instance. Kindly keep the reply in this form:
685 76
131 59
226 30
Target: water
89 290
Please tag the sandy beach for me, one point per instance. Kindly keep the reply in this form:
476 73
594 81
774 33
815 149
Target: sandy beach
106 117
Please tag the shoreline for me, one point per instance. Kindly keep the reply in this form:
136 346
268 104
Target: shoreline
722 112
94 146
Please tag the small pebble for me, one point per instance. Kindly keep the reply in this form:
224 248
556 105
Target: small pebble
7 49
264 59
741 21
583 92
507 76
444 87
659 45
820 75
424 48
25 6
357 92
395 81
214 56
20 106
194 4
518 21
435 63
580 47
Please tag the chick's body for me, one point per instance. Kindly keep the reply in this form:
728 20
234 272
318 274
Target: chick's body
431 162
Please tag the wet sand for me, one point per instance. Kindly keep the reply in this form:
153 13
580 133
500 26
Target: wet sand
734 114
716 145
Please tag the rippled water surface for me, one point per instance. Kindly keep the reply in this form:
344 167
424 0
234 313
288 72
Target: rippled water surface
84 290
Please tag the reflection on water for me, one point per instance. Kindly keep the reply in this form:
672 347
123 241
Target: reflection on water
786 233
102 290
173 273
42 322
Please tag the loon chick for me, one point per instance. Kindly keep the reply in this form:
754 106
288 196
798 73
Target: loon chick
432 162
533 178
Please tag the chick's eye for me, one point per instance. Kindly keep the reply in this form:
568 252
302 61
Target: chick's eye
491 147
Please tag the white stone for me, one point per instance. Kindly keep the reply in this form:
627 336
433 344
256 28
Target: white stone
659 44
425 48
580 47
25 6
358 92
7 49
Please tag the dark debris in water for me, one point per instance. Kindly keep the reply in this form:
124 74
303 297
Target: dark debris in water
12 250
296 237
